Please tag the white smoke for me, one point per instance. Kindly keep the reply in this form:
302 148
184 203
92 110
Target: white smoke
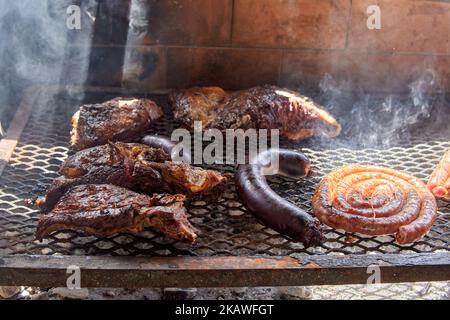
376 120
36 48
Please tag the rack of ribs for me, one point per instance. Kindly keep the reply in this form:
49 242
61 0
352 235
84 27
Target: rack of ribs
104 210
263 107
119 119
137 167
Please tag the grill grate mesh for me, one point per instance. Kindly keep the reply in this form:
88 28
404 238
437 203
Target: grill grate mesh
398 291
226 228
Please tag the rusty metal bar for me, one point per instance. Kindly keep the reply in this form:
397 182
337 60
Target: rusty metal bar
227 271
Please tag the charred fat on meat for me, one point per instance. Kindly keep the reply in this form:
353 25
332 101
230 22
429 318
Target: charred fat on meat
119 119
104 210
263 107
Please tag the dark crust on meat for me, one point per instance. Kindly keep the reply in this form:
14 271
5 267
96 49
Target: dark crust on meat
113 163
263 107
196 104
104 210
100 157
137 167
181 108
196 183
113 120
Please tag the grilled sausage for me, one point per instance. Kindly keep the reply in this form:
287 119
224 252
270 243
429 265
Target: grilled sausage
439 183
167 145
375 200
268 207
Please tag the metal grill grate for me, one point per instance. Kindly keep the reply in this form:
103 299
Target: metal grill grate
399 291
225 227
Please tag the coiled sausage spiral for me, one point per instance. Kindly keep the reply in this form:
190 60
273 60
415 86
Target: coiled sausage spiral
375 200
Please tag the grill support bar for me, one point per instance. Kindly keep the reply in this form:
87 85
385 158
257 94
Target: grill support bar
227 271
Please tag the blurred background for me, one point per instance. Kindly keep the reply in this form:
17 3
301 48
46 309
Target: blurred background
323 48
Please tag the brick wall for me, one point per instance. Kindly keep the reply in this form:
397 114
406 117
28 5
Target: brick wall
293 43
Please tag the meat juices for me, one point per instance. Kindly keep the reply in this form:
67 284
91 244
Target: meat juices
264 107
119 119
374 200
104 210
439 183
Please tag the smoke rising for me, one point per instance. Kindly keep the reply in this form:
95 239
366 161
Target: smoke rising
375 120
36 48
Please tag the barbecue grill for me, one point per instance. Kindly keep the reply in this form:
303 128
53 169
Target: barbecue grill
233 249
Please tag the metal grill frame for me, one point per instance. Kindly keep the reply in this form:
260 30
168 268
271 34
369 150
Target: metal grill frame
205 271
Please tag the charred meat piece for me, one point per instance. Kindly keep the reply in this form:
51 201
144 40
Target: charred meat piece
169 146
197 104
111 155
113 163
196 183
135 166
104 210
264 107
123 119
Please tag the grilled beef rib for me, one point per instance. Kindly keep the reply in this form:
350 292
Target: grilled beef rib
263 107
119 119
104 210
134 166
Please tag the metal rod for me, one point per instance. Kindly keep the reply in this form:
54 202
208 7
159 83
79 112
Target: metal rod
227 271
